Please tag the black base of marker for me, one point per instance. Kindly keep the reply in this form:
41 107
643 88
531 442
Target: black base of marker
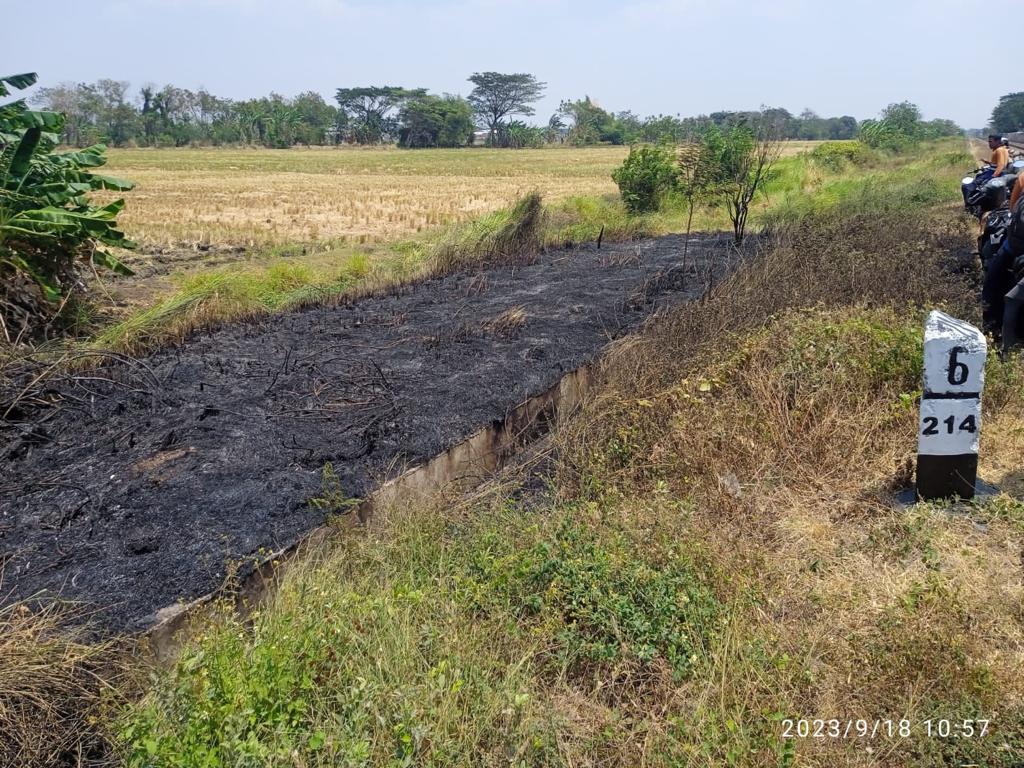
942 477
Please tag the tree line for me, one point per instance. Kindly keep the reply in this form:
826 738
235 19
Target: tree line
1008 115
108 111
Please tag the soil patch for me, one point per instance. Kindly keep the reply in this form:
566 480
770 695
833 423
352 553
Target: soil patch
147 480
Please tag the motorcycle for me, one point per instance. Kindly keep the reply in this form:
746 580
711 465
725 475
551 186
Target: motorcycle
992 236
983 193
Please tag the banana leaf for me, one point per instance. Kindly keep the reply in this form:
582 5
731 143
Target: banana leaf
17 82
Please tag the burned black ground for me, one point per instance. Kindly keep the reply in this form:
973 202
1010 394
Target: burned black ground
148 478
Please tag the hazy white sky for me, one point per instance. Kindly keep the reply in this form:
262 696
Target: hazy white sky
653 56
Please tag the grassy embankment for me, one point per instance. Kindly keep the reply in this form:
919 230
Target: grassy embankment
718 551
580 204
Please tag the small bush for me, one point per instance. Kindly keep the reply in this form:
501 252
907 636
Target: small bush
604 598
645 176
836 155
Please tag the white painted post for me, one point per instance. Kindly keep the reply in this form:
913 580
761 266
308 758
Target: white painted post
950 426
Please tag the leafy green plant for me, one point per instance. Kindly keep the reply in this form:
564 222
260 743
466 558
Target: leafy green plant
836 155
646 176
899 129
518 135
48 227
601 597
741 161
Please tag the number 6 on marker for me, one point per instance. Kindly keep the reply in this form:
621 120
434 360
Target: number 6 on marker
958 371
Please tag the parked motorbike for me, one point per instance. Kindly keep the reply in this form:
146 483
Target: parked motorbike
992 236
983 193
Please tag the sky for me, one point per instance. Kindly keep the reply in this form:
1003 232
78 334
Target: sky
684 57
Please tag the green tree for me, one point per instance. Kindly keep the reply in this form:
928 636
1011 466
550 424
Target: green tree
1008 115
940 128
371 109
740 161
590 123
78 104
647 174
435 121
48 226
496 96
316 118
842 128
116 118
904 117
898 129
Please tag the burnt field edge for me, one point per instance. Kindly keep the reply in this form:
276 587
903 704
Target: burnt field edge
461 467
517 415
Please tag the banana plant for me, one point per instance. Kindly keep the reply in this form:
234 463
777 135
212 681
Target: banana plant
48 225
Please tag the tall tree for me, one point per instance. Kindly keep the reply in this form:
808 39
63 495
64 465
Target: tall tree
905 117
78 104
371 109
435 121
116 118
590 123
496 96
316 117
1008 116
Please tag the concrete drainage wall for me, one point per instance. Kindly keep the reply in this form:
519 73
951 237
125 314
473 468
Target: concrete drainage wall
461 466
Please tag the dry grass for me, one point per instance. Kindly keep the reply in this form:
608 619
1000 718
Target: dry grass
508 324
275 197
56 686
782 410
260 197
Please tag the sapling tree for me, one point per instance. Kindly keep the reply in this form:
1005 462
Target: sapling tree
743 160
698 179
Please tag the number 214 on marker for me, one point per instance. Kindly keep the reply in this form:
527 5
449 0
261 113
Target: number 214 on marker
933 426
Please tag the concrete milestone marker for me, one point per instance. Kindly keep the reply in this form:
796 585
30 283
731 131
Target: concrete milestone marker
954 373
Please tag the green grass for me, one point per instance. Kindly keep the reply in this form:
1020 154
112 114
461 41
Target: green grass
206 298
420 647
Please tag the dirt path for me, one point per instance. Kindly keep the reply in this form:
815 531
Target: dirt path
148 479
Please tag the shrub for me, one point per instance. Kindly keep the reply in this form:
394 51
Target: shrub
645 176
836 155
